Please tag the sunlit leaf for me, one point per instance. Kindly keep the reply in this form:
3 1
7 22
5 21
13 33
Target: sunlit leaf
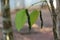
20 19
34 16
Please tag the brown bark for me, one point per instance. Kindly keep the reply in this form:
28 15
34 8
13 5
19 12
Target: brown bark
7 27
54 18
58 17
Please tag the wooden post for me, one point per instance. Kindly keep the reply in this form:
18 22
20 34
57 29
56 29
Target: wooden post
7 27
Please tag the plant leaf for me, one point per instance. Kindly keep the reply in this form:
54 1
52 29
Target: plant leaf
34 16
20 19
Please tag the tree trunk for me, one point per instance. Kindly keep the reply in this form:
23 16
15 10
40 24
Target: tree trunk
54 18
58 17
7 27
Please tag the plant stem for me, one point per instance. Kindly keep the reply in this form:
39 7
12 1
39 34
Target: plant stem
35 4
41 19
28 16
7 27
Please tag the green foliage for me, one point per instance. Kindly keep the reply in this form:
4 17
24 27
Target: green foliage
20 19
33 16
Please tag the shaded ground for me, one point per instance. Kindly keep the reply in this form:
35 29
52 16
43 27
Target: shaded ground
36 33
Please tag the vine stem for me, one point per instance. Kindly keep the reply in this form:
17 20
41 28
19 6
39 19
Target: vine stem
35 4
28 16
41 19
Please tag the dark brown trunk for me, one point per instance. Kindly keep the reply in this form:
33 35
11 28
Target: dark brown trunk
7 27
54 18
58 17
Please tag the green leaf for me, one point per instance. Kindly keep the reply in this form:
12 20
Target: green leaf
20 19
34 16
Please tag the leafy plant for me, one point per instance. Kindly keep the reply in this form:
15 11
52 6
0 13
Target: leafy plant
20 19
23 15
33 16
